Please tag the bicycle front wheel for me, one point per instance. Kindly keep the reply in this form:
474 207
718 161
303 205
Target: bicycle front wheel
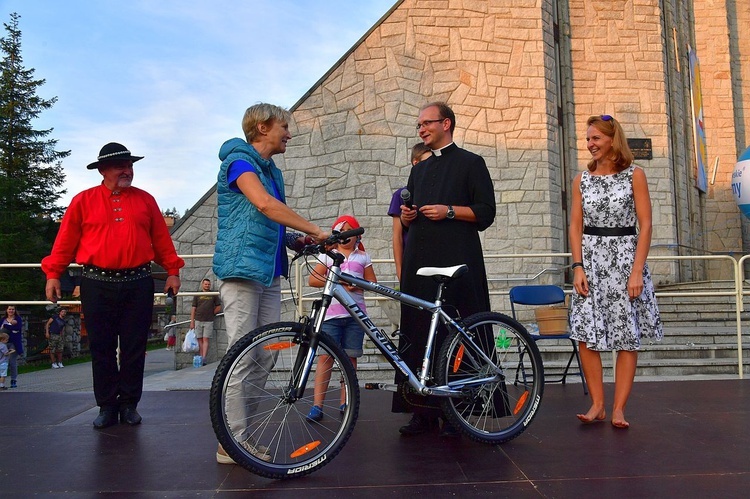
500 397
260 421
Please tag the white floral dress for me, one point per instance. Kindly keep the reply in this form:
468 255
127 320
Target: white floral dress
606 319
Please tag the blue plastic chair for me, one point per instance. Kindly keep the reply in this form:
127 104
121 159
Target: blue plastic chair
536 295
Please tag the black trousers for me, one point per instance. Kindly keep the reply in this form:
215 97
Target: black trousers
115 311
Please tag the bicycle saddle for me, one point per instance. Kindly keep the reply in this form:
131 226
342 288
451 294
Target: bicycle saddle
444 272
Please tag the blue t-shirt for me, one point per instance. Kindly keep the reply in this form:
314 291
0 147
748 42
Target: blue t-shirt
57 325
237 168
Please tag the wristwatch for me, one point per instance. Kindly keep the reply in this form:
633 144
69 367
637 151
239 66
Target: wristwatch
451 214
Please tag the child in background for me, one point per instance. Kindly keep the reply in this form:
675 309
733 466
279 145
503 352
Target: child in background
4 357
419 152
338 324
172 333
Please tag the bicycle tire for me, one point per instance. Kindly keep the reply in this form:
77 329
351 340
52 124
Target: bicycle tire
494 412
263 429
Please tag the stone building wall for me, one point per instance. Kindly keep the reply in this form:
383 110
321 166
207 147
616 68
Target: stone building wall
354 129
713 37
618 68
499 64
738 13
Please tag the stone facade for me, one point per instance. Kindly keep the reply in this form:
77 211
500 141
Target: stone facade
725 96
522 77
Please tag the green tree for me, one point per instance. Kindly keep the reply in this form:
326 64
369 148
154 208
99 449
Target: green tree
31 175
172 212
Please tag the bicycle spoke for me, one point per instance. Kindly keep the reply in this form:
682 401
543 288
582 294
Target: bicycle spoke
493 409
257 418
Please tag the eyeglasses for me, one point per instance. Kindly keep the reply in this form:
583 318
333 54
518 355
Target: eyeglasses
605 117
427 122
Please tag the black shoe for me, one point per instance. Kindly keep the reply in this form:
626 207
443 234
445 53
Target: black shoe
448 430
129 415
418 425
106 418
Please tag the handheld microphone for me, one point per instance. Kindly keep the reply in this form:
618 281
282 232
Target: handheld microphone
406 198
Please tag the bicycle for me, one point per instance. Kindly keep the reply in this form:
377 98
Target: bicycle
260 394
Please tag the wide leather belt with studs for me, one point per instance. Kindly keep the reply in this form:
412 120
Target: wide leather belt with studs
116 275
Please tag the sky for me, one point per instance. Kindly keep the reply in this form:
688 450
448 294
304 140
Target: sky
171 79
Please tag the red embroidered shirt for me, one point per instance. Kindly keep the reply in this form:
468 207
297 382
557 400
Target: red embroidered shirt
117 229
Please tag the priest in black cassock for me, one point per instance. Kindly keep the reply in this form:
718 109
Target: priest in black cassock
452 201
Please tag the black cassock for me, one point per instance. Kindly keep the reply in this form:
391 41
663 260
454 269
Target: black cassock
459 178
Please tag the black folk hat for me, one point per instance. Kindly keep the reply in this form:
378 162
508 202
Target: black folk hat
113 152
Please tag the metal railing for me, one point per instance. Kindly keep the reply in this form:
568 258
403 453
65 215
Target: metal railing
297 292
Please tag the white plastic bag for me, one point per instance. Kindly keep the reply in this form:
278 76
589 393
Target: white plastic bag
191 342
166 336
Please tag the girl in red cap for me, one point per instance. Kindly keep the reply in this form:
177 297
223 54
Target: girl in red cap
338 324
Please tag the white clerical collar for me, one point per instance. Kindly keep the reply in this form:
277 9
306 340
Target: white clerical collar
439 152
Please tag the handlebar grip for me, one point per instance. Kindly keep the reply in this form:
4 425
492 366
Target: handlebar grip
348 233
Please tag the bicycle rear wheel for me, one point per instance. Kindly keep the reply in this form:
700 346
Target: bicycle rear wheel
500 408
259 421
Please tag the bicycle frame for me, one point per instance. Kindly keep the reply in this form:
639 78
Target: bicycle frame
333 288
268 424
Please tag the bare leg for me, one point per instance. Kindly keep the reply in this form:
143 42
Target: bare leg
591 362
625 373
322 379
203 349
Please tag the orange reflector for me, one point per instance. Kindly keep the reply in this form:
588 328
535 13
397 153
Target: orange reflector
521 402
458 359
281 345
305 449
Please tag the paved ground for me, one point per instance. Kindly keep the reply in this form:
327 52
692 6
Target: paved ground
159 375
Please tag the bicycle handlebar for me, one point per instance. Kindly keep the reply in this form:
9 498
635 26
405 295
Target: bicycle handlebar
335 238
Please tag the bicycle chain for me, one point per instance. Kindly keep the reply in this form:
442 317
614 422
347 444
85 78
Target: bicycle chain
405 390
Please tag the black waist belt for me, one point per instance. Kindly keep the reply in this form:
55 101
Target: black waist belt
609 231
117 275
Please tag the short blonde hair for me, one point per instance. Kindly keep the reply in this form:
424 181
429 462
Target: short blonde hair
4 336
262 113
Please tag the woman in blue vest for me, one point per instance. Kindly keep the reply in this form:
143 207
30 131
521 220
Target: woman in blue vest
250 255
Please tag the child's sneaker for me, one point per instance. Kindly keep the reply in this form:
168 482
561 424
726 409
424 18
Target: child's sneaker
342 408
316 414
60 364
13 384
55 366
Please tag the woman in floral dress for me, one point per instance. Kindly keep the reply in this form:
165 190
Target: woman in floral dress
613 305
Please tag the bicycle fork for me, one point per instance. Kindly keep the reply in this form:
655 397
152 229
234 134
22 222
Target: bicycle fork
306 356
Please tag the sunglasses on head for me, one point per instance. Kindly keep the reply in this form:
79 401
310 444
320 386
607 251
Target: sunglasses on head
605 117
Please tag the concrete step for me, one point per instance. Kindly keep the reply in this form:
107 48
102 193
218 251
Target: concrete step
690 367
686 351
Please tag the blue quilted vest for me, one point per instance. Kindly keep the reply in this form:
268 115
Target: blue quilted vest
247 240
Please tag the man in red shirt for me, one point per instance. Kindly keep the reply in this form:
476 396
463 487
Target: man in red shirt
114 231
